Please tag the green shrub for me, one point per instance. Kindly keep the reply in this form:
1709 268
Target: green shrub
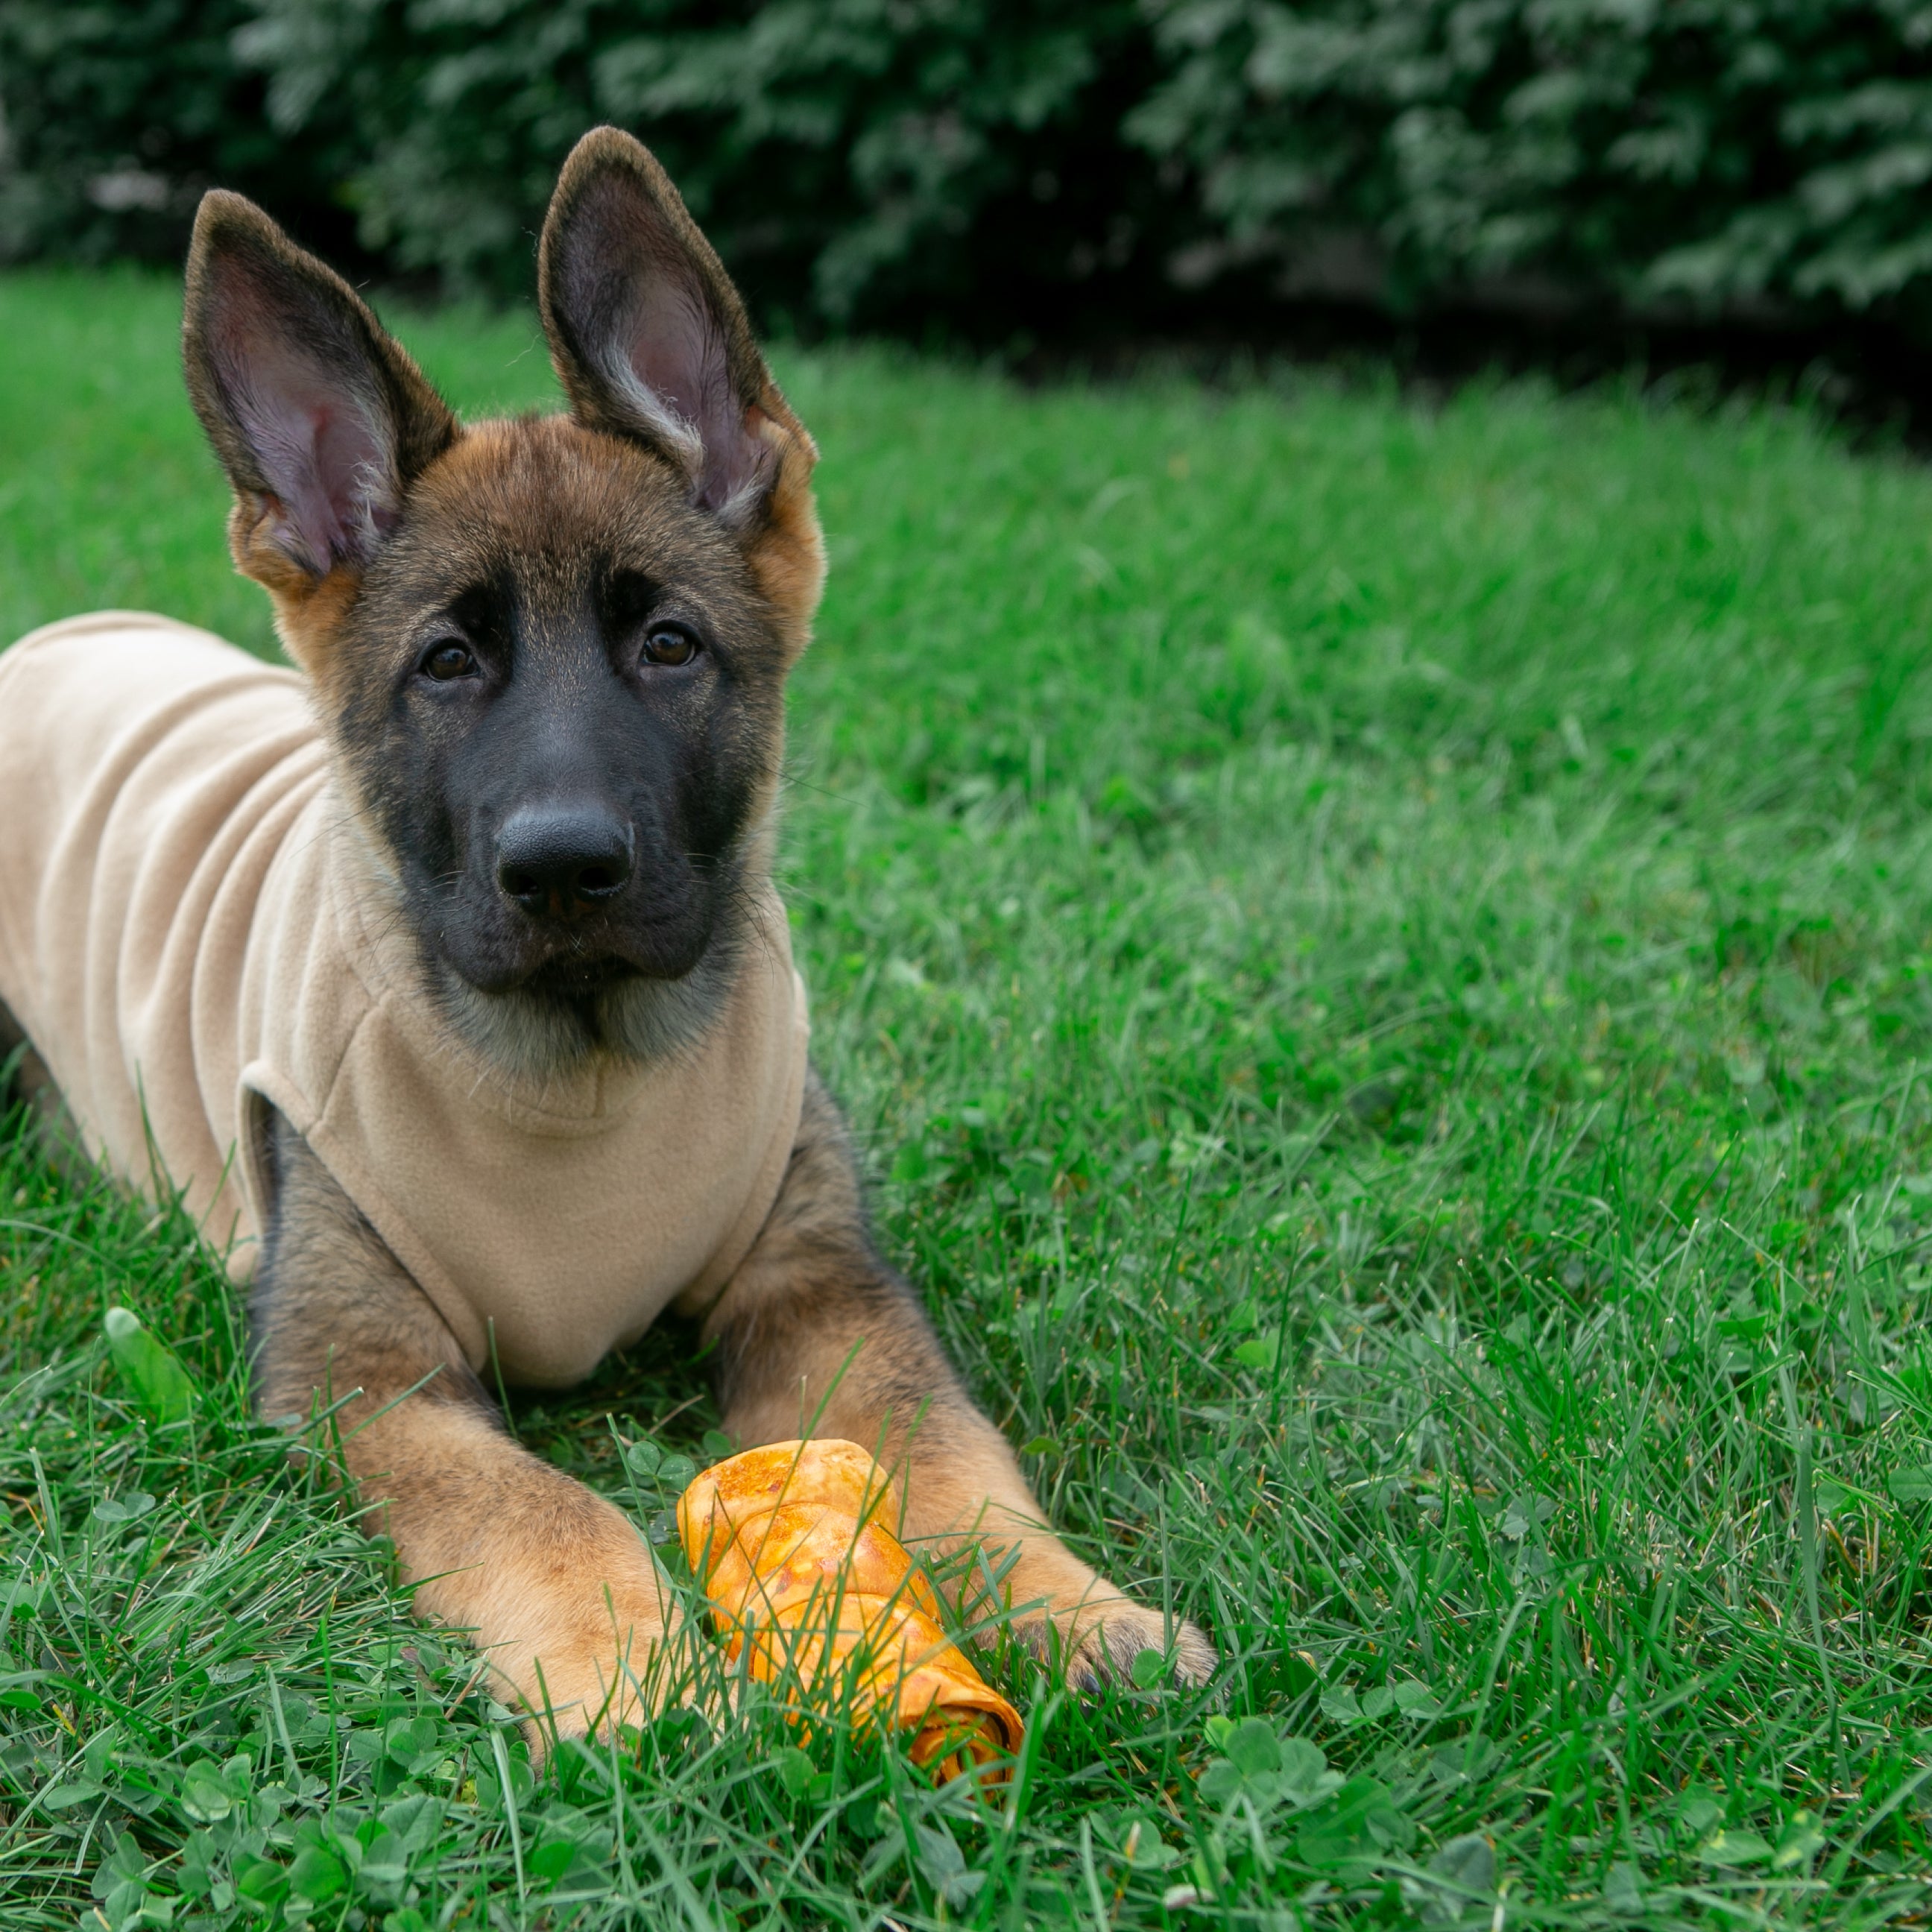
119 113
850 159
1727 155
984 165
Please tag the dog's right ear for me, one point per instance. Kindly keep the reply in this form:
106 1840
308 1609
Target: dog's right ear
319 416
650 338
652 342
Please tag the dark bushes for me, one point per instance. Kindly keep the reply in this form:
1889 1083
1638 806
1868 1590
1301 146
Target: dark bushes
980 166
1733 155
115 117
851 158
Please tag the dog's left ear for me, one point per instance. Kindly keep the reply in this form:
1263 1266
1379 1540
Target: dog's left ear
650 338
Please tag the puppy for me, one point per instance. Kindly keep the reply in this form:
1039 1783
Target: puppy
443 977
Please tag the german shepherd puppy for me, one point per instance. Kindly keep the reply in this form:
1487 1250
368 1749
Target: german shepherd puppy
671 508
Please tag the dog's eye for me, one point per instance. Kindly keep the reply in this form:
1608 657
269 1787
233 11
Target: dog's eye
669 644
447 660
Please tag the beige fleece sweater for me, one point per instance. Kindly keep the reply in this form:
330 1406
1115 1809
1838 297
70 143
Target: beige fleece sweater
187 929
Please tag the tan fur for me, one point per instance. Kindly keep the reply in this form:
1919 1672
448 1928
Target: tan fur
787 558
556 1586
308 610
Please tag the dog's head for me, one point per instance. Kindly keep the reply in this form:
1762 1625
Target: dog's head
550 652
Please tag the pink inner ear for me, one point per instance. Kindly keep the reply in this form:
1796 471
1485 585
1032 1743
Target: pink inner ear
677 350
311 435
626 276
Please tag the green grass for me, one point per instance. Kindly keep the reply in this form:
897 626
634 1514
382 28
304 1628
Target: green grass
1382 958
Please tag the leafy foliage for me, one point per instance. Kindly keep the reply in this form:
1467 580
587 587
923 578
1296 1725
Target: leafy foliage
1716 152
115 114
845 155
858 159
986 165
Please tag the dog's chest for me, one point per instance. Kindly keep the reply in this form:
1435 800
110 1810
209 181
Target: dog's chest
183 936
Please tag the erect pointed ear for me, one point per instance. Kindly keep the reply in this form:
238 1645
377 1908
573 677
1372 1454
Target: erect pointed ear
319 417
649 337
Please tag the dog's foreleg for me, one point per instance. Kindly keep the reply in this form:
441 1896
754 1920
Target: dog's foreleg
560 1593
817 1335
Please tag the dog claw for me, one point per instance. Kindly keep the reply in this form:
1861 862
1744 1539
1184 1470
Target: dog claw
1106 1648
1188 1659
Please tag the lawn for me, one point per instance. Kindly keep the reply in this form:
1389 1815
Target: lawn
1381 955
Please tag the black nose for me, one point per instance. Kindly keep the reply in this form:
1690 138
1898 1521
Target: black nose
556 860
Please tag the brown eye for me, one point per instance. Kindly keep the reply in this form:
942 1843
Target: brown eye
448 660
669 644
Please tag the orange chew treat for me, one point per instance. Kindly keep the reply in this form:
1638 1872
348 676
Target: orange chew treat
799 1564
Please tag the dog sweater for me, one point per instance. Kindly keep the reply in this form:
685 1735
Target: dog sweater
192 924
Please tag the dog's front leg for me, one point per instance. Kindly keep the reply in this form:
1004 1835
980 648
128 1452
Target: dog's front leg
817 1335
560 1593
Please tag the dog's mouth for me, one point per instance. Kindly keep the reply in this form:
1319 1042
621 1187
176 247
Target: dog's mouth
500 951
564 978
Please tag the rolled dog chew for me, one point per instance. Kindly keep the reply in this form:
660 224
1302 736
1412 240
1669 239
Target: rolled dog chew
792 1543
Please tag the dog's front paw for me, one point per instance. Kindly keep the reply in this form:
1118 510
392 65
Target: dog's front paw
1100 1638
591 1669
594 1692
